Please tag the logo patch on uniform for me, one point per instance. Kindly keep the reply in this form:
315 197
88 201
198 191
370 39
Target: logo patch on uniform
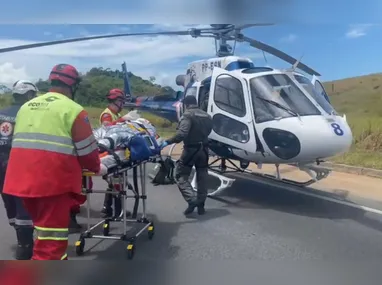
86 119
6 129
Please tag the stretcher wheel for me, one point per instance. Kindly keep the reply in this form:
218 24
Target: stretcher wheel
151 231
80 246
130 250
106 228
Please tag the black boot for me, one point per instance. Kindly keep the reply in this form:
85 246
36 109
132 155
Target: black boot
201 210
25 242
107 212
191 207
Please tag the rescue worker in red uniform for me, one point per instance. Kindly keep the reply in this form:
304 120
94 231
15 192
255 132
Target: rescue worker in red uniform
22 91
53 142
111 116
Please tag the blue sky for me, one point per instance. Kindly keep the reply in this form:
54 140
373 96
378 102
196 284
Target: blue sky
337 38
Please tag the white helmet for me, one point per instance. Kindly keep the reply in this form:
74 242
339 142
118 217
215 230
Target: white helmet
23 86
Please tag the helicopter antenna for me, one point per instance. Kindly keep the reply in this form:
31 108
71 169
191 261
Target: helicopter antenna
265 59
294 66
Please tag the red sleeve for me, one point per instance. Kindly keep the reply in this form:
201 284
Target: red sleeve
85 143
107 120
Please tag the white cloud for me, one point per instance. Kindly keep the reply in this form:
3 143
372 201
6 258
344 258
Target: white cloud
9 73
356 31
289 38
163 57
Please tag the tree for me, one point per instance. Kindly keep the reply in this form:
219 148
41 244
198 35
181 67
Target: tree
98 81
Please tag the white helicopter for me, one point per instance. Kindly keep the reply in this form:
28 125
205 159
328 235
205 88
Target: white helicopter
261 115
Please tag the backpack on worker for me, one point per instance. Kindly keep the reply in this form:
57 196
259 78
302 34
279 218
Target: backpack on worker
164 172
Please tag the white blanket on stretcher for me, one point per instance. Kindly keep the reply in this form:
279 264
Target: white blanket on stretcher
120 134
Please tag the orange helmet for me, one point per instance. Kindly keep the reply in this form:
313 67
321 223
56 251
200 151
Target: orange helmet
65 73
114 94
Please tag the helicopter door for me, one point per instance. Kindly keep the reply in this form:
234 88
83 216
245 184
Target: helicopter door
319 87
229 107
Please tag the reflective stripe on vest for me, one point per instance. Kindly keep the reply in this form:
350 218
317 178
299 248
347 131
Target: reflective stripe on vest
64 257
46 142
45 123
114 117
52 233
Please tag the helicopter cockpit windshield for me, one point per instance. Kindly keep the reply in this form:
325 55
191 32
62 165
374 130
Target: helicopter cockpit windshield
321 100
276 96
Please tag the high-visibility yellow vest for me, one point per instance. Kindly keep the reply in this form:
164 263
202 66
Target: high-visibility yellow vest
113 116
38 128
43 155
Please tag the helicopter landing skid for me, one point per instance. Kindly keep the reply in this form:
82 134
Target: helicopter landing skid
316 173
225 183
219 172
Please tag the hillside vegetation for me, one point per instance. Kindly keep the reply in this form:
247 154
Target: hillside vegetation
360 98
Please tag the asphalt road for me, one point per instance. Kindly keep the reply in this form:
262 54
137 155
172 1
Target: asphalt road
253 221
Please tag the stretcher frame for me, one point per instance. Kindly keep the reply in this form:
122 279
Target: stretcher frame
121 173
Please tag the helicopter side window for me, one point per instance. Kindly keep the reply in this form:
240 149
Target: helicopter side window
229 95
321 90
204 96
230 128
314 92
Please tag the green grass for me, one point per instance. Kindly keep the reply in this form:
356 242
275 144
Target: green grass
360 98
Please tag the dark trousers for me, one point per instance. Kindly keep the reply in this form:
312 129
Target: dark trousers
16 212
19 218
198 157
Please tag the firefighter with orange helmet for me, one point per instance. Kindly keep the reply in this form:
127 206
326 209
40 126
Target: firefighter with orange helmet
111 116
53 142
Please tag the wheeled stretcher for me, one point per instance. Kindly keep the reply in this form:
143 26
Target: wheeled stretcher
141 223
119 161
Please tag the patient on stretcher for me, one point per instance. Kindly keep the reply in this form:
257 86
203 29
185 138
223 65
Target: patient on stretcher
126 142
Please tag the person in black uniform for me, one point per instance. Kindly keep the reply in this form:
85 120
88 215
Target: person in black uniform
193 129
18 217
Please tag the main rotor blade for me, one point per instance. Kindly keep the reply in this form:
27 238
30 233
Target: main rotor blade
280 54
246 26
36 45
